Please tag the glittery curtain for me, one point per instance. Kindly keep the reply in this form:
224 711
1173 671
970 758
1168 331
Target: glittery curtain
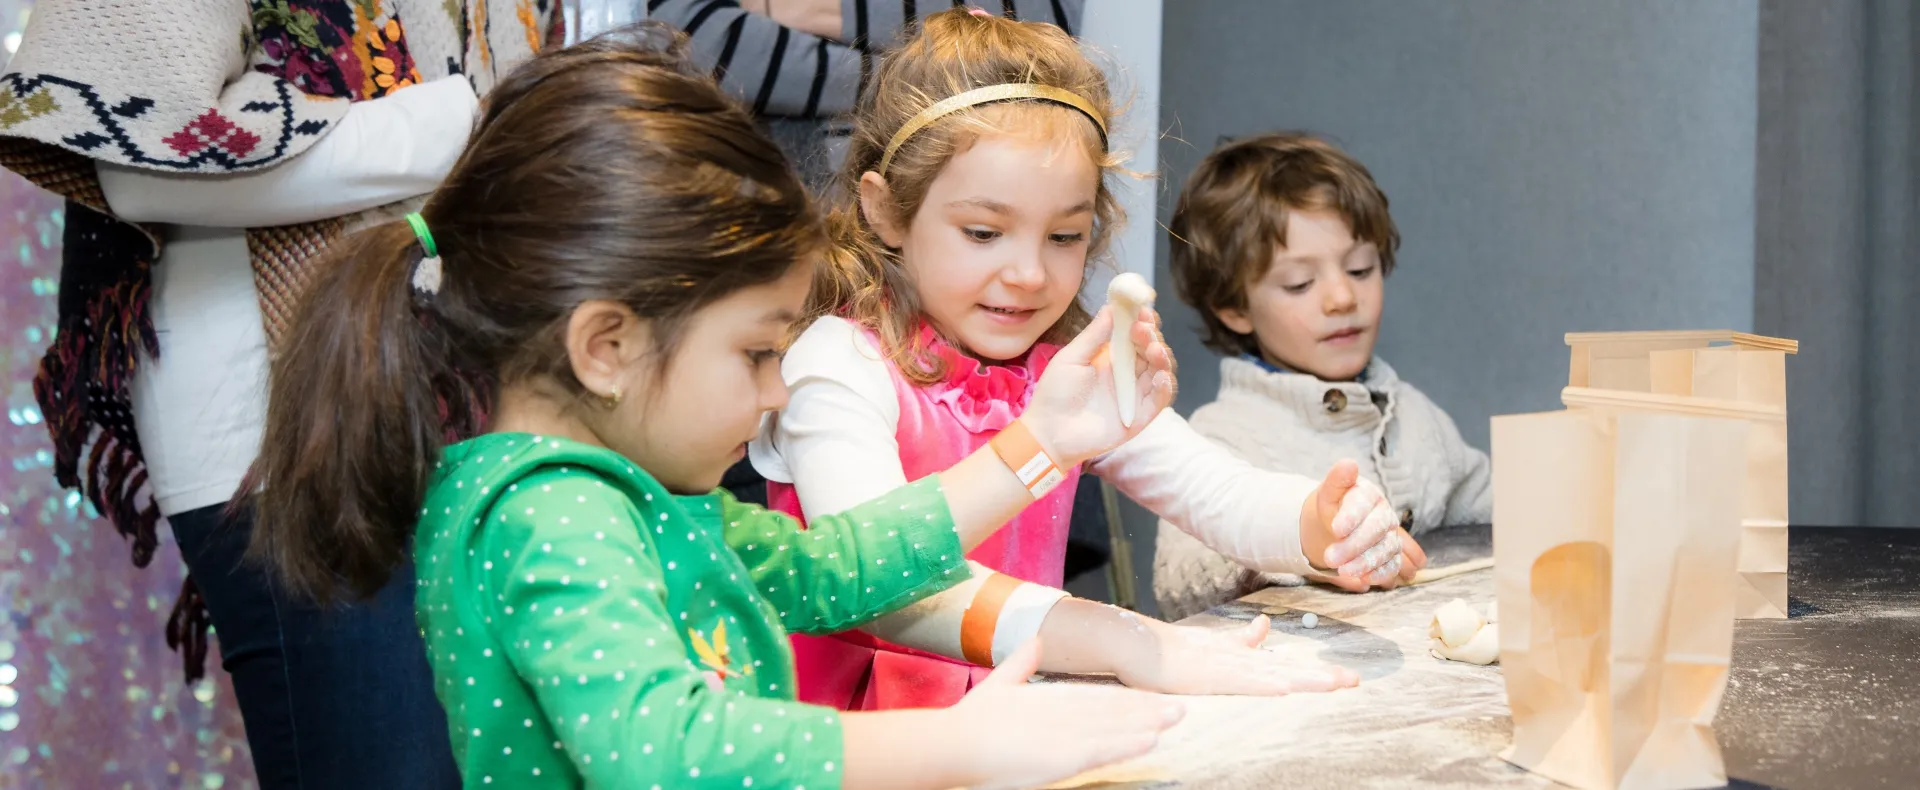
90 697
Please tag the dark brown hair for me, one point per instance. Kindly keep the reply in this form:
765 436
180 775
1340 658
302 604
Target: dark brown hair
1232 215
955 52
613 169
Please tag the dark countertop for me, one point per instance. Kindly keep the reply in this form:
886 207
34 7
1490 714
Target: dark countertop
1827 699
1830 697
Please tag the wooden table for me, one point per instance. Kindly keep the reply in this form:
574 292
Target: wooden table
1827 699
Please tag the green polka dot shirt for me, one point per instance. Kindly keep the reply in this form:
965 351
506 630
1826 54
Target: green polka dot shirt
588 629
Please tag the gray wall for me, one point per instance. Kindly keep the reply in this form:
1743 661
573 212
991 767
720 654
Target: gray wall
1838 206
1553 167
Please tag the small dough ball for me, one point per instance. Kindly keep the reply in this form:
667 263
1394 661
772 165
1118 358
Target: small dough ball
1310 620
1455 623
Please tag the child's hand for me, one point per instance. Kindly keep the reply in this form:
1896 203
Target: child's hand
1347 525
1204 661
1412 559
1030 735
1073 413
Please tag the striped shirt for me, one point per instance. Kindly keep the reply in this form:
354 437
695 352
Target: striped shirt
787 73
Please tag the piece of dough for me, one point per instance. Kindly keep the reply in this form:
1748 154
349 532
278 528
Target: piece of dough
1427 575
1482 649
1127 293
1455 623
1493 612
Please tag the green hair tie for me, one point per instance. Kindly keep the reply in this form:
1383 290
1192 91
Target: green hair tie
427 271
420 231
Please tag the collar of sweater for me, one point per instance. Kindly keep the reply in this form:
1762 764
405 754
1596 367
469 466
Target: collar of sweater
1326 405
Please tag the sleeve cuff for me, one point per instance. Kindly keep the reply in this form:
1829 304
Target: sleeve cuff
1021 617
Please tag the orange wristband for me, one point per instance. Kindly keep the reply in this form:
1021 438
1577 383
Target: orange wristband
1029 461
982 617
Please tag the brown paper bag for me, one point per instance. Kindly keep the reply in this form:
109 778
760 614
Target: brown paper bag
1615 530
1749 369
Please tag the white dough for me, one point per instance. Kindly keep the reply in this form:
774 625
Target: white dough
1455 623
1482 649
1493 610
1128 292
1309 620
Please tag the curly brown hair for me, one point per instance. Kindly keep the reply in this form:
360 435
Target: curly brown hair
955 52
1232 216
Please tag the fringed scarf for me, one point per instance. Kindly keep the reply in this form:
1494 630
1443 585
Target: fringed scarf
244 85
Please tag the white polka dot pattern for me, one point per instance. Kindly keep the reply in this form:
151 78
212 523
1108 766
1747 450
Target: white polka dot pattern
548 602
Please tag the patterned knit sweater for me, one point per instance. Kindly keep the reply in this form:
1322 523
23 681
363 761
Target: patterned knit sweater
1297 423
209 87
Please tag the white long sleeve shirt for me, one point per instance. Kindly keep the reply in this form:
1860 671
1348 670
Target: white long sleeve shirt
200 408
835 443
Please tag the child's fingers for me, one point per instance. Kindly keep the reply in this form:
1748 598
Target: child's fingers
1416 556
1125 709
1018 667
1253 633
1256 672
1351 522
1151 344
1370 546
1156 394
1335 677
1316 678
1331 497
1106 751
1388 574
1084 346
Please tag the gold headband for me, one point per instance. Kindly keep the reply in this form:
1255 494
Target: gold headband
987 95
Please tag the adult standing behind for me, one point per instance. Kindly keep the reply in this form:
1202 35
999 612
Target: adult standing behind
208 152
803 64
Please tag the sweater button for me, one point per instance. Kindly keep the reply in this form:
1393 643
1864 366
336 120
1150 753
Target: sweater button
1335 401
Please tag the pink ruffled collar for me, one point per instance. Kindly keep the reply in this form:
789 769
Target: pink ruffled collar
985 397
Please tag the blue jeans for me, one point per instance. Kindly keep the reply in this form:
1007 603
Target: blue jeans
335 697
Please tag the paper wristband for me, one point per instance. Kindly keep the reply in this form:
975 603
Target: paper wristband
982 617
1021 617
1022 453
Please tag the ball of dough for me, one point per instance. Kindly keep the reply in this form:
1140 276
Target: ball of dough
1482 649
1310 620
1455 623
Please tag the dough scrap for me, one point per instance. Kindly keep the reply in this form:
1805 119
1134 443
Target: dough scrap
1455 623
1461 634
1128 292
1482 649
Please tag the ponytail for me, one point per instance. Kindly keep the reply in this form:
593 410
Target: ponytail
614 169
360 404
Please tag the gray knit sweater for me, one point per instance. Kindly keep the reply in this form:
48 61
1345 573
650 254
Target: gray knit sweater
1296 423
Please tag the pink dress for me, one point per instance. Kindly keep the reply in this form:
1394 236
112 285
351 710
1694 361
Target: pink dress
940 424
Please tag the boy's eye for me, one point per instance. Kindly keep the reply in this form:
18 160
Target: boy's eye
1362 272
1067 239
981 235
762 356
1297 289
